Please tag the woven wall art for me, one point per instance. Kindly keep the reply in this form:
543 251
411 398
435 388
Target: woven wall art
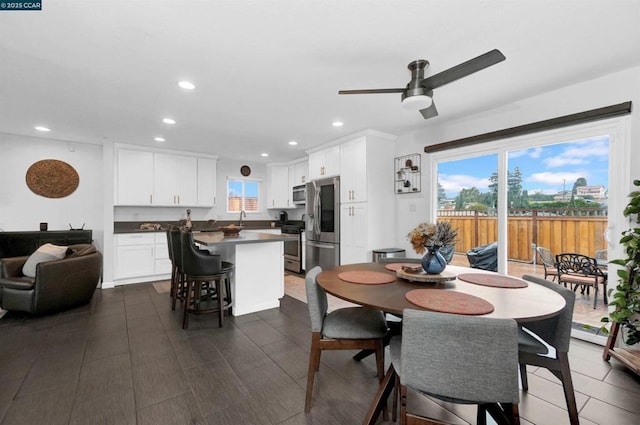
52 178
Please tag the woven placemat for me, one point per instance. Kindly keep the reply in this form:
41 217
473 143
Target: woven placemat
449 302
495 280
366 277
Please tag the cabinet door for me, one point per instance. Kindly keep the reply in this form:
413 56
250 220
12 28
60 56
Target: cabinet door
332 161
278 188
206 182
164 179
186 180
134 261
300 173
353 233
353 174
134 177
316 164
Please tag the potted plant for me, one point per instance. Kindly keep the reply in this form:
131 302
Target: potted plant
431 238
626 295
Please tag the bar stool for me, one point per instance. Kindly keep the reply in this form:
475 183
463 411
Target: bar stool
177 274
200 270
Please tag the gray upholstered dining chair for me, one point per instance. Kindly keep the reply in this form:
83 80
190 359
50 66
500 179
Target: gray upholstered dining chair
556 332
458 359
342 329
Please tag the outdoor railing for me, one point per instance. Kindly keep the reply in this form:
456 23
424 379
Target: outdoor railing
574 230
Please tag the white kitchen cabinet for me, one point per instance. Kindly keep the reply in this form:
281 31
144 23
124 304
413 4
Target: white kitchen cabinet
206 182
278 189
175 180
367 196
353 171
141 256
298 173
134 255
134 177
324 163
354 233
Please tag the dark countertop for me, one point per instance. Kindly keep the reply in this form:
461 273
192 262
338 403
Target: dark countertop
198 226
218 238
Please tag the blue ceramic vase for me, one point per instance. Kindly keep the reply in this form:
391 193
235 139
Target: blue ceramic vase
433 262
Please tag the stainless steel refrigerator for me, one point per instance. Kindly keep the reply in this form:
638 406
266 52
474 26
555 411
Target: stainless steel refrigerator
322 247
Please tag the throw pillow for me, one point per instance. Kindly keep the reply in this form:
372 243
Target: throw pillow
47 252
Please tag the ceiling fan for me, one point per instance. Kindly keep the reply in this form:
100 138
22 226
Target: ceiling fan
418 93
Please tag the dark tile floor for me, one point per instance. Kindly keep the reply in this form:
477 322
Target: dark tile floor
124 359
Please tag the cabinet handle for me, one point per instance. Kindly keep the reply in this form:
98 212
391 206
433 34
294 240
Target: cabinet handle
178 199
151 198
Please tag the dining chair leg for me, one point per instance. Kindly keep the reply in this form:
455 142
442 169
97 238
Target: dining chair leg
314 363
385 389
220 302
187 301
523 377
564 374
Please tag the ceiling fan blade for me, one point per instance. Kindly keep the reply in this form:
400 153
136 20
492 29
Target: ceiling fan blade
429 112
371 91
462 70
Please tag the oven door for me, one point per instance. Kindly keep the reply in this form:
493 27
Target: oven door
293 254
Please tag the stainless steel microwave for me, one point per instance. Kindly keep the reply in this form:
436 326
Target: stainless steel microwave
299 195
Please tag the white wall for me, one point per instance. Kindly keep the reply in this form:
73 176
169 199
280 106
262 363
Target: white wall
21 209
608 90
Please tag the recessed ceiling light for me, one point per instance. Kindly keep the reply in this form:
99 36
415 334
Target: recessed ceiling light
187 85
159 139
293 143
41 128
264 154
169 121
337 123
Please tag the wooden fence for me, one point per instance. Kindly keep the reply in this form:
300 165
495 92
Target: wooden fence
579 230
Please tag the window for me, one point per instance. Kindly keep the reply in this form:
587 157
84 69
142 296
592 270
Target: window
243 195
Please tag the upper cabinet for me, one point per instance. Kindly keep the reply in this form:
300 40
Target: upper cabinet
353 170
134 177
299 173
278 193
206 182
324 163
175 180
149 178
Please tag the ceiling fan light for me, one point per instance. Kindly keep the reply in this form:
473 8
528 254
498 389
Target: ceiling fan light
416 102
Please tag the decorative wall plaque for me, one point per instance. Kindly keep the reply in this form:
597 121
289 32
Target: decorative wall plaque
52 178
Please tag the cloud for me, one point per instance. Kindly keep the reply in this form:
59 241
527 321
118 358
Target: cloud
557 180
580 153
454 183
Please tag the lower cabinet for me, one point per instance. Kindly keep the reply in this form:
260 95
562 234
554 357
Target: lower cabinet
354 230
141 255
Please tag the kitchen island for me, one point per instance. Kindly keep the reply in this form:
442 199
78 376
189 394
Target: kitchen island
257 282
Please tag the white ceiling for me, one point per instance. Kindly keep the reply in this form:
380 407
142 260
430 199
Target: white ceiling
268 71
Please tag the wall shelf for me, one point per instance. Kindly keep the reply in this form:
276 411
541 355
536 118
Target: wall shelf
408 173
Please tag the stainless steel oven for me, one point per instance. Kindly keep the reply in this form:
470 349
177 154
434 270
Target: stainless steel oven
293 248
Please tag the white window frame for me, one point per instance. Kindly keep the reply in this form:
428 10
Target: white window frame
619 132
244 180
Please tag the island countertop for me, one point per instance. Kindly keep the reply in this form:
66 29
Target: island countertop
211 239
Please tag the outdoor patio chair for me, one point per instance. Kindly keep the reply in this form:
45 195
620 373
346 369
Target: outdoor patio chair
550 269
581 271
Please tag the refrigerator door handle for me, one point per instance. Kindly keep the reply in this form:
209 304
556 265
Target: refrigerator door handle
321 245
317 212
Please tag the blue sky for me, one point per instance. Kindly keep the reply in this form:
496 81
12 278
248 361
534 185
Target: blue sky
545 169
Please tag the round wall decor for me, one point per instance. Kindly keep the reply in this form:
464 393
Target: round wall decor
52 178
245 170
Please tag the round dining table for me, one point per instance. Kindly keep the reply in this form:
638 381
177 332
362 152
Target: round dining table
529 303
522 301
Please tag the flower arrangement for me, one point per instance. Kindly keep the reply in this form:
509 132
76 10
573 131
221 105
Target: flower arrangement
429 234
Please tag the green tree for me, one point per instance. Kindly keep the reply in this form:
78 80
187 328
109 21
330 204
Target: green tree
442 195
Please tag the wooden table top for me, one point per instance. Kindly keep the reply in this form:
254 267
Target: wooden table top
522 304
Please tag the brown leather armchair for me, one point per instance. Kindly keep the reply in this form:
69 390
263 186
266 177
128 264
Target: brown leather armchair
57 285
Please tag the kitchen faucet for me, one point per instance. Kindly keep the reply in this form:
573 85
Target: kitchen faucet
242 213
